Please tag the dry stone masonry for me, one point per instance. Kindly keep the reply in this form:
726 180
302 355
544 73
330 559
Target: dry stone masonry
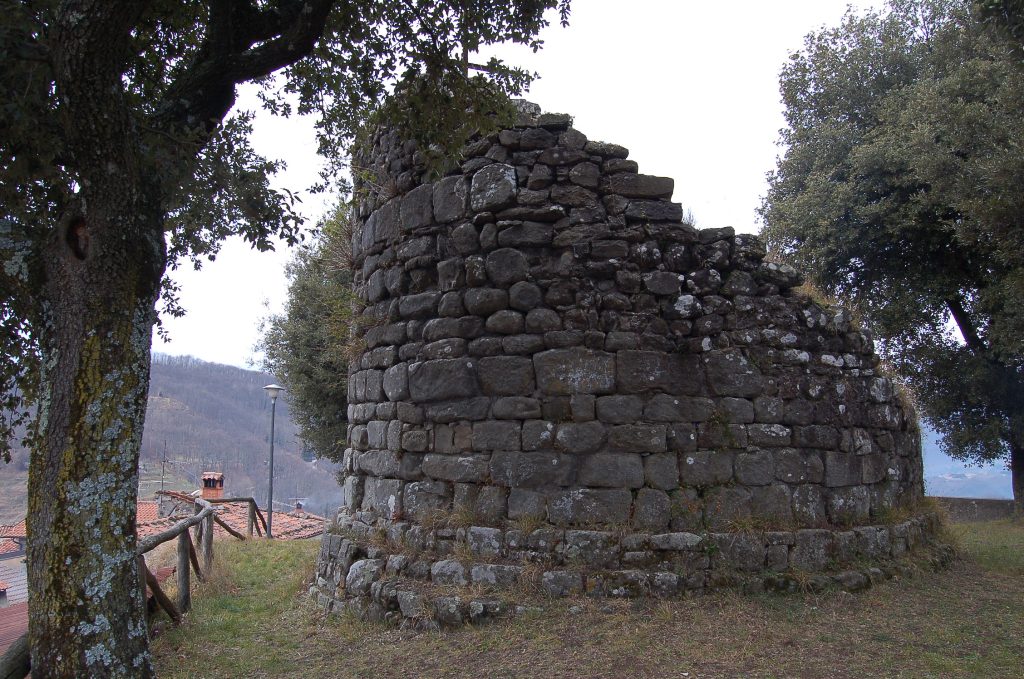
559 370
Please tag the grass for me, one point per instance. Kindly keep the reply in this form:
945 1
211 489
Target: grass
250 621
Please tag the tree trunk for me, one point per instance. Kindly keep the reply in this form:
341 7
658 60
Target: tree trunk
101 272
1017 476
86 615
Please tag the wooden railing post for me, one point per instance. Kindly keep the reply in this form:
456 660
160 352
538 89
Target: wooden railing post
207 545
251 519
184 579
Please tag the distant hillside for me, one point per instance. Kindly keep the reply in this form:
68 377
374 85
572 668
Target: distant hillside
213 417
946 477
210 417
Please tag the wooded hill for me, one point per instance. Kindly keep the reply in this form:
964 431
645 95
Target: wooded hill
210 417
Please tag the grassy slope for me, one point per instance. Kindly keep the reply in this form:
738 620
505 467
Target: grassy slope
964 622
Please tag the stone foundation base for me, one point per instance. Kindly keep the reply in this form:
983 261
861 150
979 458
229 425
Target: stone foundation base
429 577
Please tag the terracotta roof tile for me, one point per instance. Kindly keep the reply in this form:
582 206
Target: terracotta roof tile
147 510
287 526
14 531
9 546
154 526
13 623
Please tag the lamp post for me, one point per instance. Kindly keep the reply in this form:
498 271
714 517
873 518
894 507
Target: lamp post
272 391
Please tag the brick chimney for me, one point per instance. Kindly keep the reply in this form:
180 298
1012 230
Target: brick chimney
213 485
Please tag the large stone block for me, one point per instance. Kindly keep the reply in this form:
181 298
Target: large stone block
842 469
449 199
362 574
661 471
466 327
726 507
772 503
730 373
383 496
493 188
637 185
538 435
417 208
485 301
516 408
506 375
653 211
458 468
532 469
849 505
619 409
666 408
523 503
396 382
582 437
809 505
638 438
506 266
496 435
448 572
587 506
443 379
811 551
525 297
706 468
740 551
388 221
652 510
611 470
755 468
575 371
423 498
530 234
798 466
472 409
639 371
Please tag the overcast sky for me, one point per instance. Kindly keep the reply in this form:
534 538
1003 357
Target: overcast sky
689 87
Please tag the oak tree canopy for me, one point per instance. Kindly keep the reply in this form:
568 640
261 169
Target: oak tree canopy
900 189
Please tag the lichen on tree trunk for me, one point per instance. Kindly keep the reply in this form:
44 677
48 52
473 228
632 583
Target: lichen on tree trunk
86 613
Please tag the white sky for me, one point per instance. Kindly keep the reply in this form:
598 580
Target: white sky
689 87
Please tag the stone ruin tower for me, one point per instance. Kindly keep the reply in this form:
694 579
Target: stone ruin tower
559 370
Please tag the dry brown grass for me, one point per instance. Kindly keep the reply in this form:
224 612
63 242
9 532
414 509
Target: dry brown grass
962 622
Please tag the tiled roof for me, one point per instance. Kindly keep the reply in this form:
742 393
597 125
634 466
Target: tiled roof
154 526
287 526
9 546
147 510
15 531
3 585
13 623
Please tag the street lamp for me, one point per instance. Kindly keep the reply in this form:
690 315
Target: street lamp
272 391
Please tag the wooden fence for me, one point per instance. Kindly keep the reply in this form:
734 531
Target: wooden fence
15 663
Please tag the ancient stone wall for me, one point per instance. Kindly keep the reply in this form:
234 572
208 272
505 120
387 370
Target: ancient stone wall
549 343
548 338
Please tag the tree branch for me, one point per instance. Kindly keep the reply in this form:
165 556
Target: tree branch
242 44
967 329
